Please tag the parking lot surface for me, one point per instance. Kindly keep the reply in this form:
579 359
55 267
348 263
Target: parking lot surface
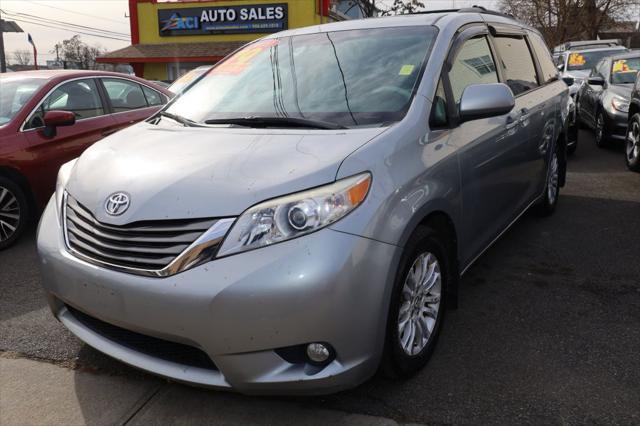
548 328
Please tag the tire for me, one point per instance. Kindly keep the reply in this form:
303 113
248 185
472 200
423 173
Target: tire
600 131
400 361
632 144
547 205
14 212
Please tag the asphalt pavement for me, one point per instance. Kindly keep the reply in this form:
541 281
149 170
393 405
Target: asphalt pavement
548 328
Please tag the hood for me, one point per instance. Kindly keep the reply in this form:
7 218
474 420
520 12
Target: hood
622 90
581 74
190 172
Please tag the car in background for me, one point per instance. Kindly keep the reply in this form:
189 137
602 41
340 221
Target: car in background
632 144
583 45
50 117
187 80
577 64
603 100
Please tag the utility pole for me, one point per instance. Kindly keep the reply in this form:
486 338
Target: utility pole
3 61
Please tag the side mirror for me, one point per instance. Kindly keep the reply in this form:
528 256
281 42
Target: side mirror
485 100
54 119
596 81
569 80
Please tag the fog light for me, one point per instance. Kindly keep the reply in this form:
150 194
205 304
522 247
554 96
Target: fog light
318 352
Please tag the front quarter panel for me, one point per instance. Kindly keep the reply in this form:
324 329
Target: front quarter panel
415 172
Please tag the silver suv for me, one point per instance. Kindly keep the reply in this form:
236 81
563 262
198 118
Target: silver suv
303 214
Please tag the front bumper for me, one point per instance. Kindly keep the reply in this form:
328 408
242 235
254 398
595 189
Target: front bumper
616 124
324 287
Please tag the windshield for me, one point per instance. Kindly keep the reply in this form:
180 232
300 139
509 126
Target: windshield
348 78
587 60
180 84
15 92
624 71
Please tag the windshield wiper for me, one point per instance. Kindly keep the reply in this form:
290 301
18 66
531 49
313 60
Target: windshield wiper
276 121
180 119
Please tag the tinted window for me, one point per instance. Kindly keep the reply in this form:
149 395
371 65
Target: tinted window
520 73
79 96
549 69
439 116
353 78
473 65
153 97
124 95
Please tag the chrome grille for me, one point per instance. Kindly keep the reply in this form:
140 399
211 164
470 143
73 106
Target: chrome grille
145 245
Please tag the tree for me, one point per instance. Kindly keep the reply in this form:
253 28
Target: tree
22 57
400 7
565 20
382 7
76 51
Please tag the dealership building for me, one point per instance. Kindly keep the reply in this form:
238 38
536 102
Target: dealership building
169 38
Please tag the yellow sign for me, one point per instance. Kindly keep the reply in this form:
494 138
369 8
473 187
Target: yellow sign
406 70
576 59
620 66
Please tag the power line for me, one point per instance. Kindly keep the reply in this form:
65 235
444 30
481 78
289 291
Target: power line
57 22
70 30
77 13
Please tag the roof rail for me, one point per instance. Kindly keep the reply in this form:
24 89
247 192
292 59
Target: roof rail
472 9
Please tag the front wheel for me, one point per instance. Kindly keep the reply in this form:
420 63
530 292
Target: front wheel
632 148
601 137
417 304
547 205
14 212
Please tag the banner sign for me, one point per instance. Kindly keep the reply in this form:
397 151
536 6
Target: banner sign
259 18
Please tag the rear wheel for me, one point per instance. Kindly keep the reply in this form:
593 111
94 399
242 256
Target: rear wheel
547 205
417 304
13 212
632 147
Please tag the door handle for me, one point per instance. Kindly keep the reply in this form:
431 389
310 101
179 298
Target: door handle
512 121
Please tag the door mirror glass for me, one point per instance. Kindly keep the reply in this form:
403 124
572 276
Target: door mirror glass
596 80
485 100
54 119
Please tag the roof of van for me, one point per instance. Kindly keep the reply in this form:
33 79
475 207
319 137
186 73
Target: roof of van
435 17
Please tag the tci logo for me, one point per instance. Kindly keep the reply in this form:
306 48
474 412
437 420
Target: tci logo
177 22
117 204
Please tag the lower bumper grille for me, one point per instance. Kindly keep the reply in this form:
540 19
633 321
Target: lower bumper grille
158 348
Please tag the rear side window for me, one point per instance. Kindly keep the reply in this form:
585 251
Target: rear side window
473 65
153 97
548 68
519 71
124 95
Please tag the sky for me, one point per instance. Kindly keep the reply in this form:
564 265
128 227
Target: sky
109 15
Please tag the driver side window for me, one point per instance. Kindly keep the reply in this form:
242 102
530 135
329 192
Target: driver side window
474 64
79 96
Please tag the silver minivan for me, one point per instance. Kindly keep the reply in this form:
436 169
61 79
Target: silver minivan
302 215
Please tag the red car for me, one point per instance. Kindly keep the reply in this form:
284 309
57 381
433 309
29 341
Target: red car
50 117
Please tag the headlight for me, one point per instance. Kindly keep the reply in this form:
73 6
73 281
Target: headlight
63 177
294 215
620 104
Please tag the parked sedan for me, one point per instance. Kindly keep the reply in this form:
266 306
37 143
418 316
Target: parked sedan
50 117
603 101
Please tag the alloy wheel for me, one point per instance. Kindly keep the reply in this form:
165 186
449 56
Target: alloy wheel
9 214
421 298
599 129
633 142
552 184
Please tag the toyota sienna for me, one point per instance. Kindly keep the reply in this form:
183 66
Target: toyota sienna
302 214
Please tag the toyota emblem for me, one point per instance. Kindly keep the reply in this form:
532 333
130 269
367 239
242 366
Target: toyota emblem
117 204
